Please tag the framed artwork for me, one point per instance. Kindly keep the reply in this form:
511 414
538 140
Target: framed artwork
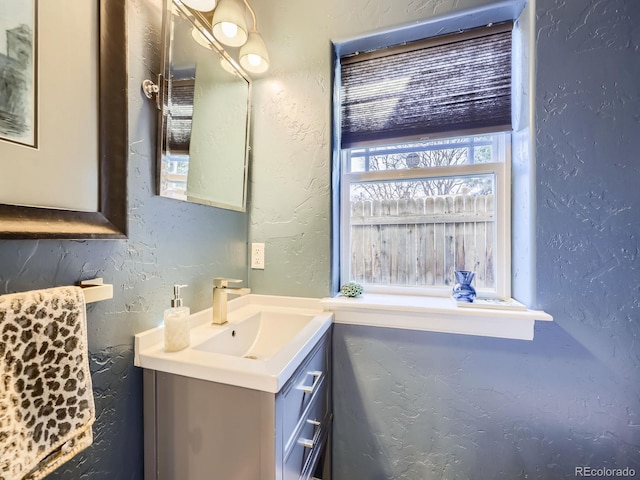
34 120
18 72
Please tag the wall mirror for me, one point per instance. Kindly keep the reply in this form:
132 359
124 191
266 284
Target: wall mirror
204 98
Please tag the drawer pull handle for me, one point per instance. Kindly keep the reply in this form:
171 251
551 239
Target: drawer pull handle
309 443
306 443
309 389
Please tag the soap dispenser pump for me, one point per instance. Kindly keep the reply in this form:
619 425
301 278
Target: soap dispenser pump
176 323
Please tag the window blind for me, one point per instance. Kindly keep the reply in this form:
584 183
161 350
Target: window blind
459 82
180 115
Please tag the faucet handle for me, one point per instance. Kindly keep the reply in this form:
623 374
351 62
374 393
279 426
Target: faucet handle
221 282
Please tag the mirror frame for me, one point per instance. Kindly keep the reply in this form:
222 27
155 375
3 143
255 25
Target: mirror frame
110 221
198 20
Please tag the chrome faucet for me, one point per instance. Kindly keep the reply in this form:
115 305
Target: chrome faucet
221 290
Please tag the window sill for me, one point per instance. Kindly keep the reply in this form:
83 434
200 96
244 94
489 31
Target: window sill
433 314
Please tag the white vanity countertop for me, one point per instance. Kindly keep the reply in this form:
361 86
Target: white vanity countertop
267 375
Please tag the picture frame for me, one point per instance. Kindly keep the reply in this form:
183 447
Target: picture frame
110 219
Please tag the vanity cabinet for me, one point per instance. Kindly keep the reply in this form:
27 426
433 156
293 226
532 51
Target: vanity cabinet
201 430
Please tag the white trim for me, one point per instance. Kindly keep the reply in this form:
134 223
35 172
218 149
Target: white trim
502 259
419 173
433 314
345 222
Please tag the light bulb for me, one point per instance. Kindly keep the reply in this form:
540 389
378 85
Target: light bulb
254 60
229 29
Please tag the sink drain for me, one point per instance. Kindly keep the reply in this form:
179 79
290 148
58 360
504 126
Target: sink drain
251 357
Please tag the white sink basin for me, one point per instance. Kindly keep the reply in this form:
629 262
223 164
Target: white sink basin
260 347
258 337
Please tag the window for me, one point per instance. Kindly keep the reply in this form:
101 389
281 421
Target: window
425 164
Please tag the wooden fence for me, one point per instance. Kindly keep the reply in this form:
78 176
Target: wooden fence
422 241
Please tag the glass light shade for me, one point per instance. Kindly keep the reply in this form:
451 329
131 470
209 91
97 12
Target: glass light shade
229 24
254 57
226 65
199 37
201 5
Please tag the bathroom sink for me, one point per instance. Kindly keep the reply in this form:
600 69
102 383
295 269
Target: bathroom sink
260 347
259 336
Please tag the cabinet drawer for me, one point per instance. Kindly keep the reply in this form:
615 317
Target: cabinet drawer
303 387
308 444
314 413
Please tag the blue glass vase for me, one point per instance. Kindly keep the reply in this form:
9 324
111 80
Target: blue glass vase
463 291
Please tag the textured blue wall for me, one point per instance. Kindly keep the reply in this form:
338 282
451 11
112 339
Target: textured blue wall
416 405
169 242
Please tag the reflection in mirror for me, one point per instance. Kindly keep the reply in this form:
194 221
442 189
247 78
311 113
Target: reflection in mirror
205 115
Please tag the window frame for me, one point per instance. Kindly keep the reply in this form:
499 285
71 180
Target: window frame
502 174
500 170
440 314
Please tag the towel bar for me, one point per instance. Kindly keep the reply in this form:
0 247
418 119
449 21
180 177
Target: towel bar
96 290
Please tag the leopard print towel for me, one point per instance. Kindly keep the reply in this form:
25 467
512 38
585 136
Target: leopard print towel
46 399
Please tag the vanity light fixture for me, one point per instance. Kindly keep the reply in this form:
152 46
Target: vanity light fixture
229 27
254 57
200 38
253 54
228 23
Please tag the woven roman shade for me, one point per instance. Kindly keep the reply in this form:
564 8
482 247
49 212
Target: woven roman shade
459 82
180 115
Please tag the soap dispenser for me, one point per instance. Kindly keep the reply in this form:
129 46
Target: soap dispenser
176 323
